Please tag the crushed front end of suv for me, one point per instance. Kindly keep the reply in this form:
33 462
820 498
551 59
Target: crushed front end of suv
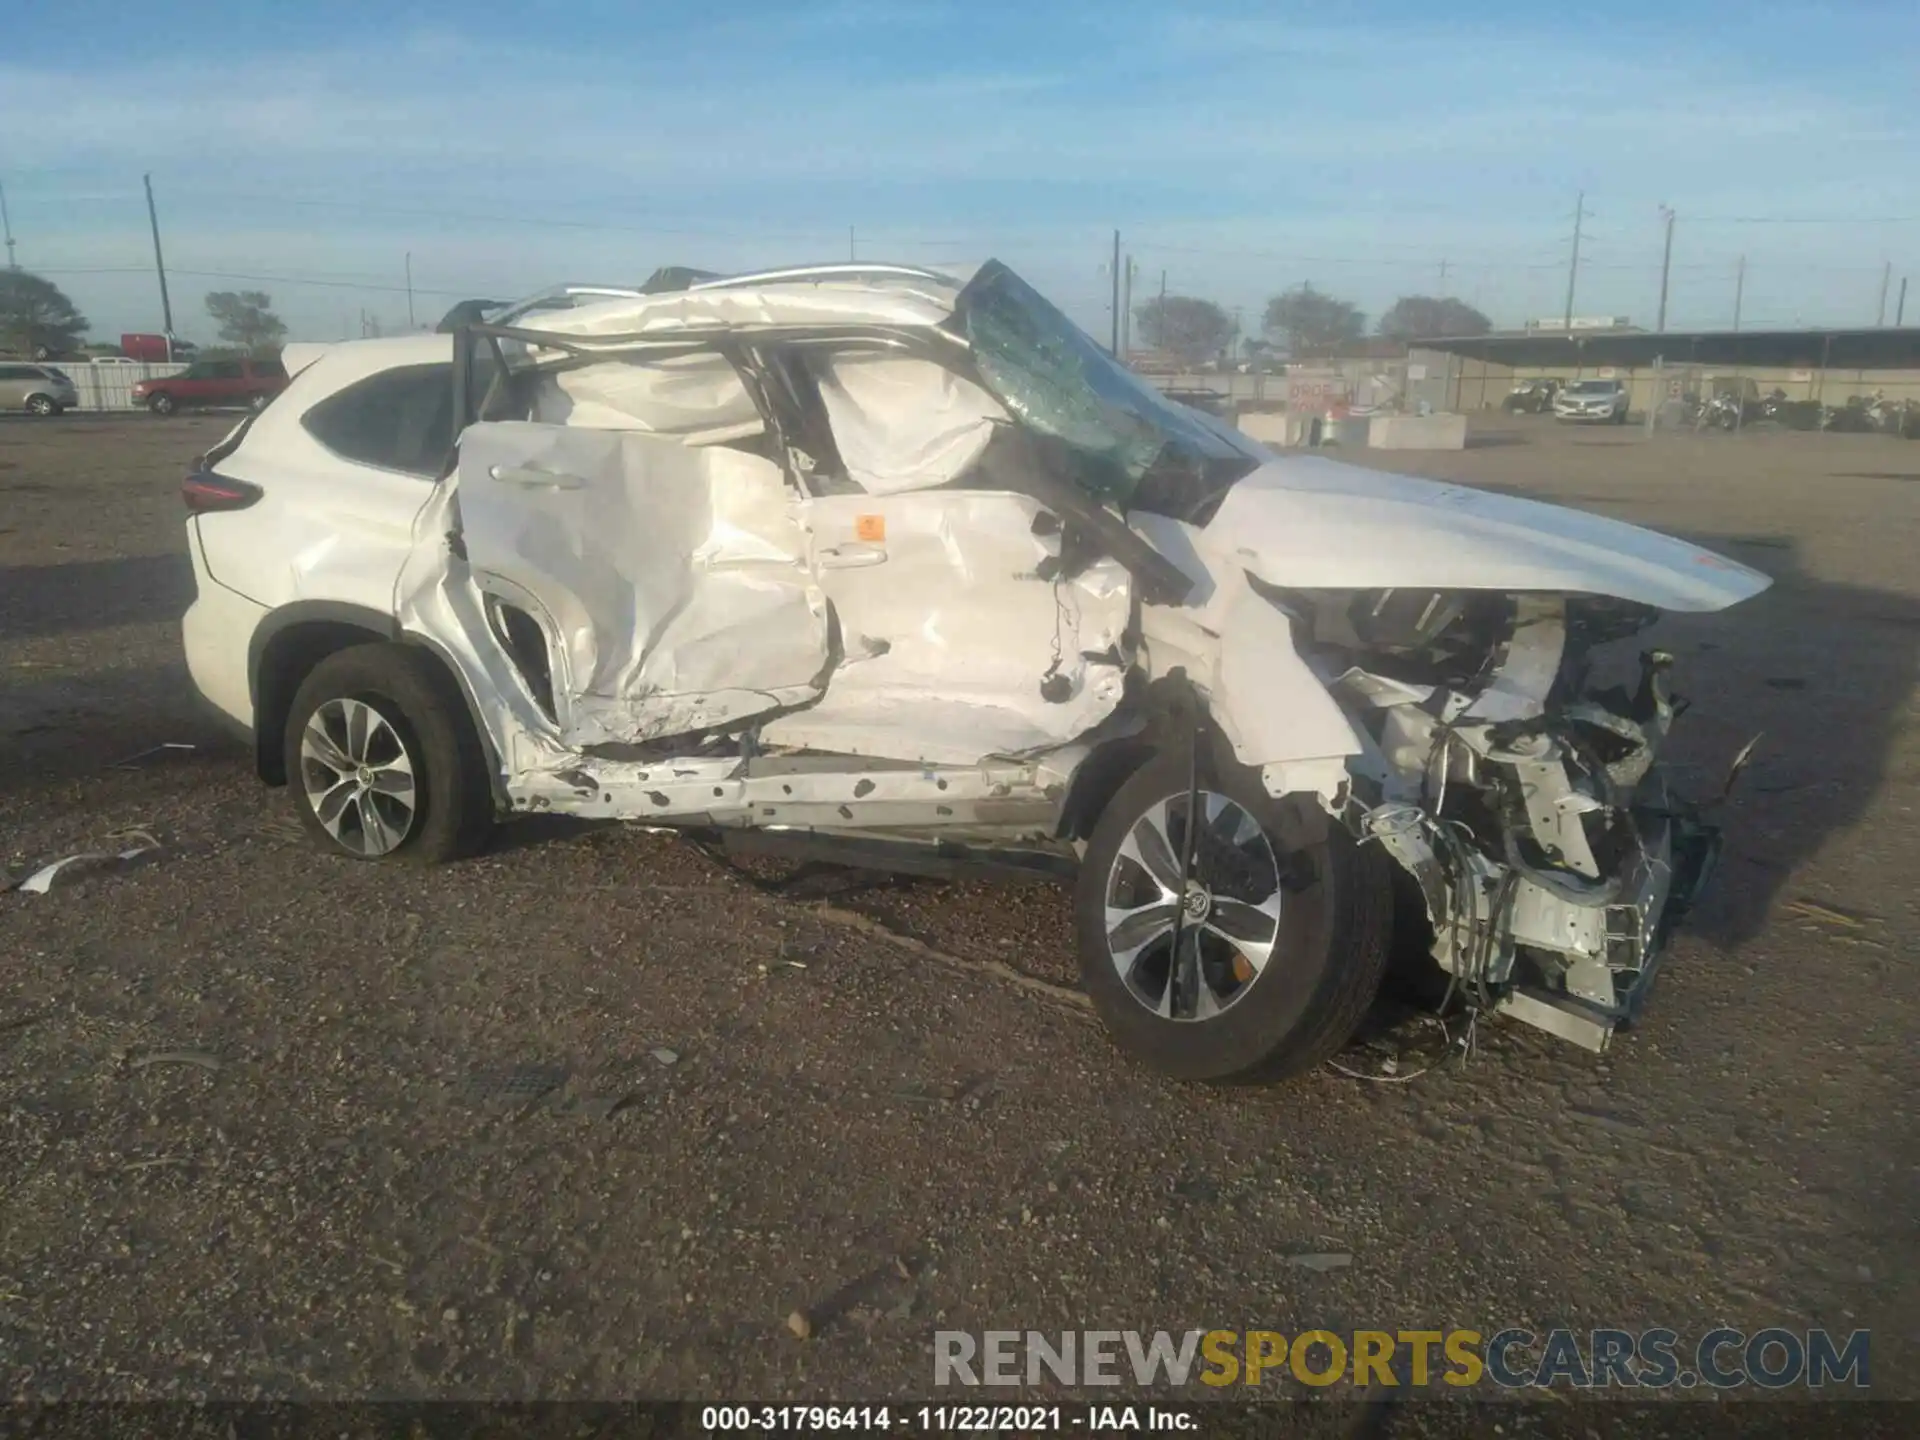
901 567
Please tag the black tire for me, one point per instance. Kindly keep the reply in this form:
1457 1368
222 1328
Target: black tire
453 810
1330 946
257 403
42 405
163 405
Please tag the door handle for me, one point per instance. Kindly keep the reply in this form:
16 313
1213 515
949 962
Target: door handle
530 479
852 556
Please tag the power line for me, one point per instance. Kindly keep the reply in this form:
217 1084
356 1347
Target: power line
268 279
1804 220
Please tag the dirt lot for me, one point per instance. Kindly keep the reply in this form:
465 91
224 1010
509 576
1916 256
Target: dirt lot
591 1116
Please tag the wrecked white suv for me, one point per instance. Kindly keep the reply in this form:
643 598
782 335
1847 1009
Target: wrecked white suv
881 565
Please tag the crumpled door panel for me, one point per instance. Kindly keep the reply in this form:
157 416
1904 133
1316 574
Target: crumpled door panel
673 582
951 624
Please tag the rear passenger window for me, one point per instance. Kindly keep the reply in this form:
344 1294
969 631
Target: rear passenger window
397 420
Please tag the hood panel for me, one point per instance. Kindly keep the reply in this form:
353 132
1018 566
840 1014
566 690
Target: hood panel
1311 523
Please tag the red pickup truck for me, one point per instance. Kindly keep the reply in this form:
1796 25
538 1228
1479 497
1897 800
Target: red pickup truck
251 383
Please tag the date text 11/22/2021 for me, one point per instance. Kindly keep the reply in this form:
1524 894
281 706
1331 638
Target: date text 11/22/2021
942 1419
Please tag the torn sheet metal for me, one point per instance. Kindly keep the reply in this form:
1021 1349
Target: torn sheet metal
135 844
904 423
956 643
674 580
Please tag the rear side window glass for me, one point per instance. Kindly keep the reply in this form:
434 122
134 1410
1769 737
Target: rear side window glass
18 372
272 369
396 420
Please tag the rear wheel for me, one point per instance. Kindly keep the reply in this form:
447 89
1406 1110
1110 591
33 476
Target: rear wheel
42 405
257 403
1256 963
162 405
382 761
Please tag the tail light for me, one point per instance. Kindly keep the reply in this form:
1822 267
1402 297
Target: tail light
204 492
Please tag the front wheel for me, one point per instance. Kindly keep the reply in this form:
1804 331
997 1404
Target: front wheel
382 760
163 405
42 405
1256 963
257 403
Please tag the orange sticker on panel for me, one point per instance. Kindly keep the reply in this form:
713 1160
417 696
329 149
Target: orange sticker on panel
870 527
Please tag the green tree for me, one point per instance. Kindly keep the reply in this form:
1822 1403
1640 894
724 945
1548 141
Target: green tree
36 317
1413 317
1308 320
246 320
1184 326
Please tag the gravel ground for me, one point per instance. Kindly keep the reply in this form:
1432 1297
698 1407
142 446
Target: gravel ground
591 1116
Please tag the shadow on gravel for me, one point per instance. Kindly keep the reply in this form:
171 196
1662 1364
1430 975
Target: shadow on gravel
42 600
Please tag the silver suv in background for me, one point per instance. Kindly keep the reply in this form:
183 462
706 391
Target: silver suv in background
1592 400
37 389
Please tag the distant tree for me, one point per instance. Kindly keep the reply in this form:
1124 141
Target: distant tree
246 320
1412 317
37 319
1307 320
1184 326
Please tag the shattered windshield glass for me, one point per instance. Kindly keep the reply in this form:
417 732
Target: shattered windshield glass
1131 446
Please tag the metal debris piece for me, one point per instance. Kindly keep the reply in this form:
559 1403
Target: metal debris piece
1321 1261
800 1325
132 762
137 843
1814 910
179 1057
664 1055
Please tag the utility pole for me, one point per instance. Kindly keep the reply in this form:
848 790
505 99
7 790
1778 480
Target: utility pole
1666 267
410 322
1573 266
1886 279
1443 279
1900 311
1116 294
6 225
1126 307
852 254
1739 290
160 266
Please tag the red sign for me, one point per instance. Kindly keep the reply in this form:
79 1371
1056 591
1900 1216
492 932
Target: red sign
1318 392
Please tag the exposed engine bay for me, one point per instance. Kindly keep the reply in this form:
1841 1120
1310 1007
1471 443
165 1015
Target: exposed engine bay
1528 806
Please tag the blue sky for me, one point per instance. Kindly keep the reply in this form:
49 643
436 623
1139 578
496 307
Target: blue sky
1240 148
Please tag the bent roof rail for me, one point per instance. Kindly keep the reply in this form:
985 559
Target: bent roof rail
841 271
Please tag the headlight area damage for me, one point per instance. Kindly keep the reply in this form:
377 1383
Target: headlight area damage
1529 808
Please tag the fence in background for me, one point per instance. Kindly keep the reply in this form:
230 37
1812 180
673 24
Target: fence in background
105 385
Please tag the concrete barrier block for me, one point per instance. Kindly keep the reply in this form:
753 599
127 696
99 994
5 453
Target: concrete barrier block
1418 432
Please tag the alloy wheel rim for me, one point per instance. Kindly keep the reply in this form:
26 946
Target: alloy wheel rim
358 777
1228 908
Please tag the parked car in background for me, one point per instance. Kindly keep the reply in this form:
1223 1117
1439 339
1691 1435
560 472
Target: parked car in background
36 389
1604 400
207 383
1531 397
